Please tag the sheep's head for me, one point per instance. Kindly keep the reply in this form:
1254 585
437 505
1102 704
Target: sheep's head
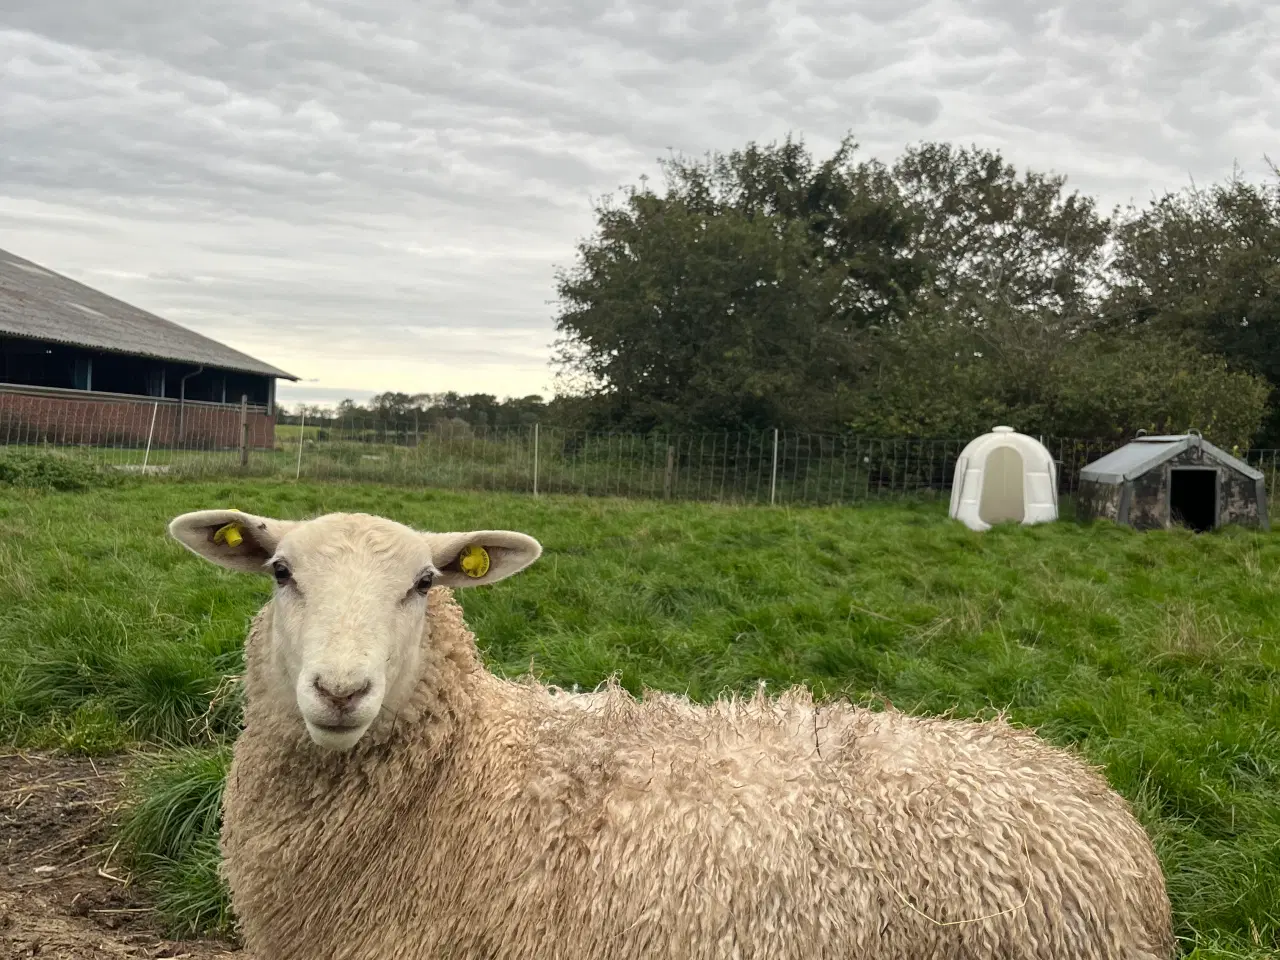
350 601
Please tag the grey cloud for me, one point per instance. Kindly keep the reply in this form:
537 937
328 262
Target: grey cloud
1226 18
837 61
1027 19
1117 21
922 109
889 11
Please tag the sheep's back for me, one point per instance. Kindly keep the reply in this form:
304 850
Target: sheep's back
599 826
799 831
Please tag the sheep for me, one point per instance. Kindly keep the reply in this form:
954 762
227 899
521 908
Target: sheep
389 797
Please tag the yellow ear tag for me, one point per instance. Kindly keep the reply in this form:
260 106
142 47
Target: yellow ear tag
474 561
230 535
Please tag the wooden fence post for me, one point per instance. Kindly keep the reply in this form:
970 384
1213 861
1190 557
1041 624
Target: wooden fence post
670 475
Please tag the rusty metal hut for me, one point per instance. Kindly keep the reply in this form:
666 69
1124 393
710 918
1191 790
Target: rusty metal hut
1157 482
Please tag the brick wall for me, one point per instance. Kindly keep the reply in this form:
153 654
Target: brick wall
113 420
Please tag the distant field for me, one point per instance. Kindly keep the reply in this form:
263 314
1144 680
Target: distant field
1158 654
287 435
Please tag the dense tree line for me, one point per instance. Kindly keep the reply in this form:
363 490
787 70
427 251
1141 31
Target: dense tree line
934 296
931 297
427 410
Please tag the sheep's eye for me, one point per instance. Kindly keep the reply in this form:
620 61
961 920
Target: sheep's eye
281 571
423 584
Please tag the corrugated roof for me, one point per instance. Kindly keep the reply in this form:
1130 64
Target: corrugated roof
36 302
1136 458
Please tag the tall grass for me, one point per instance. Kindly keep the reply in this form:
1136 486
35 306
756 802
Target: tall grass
170 835
1156 654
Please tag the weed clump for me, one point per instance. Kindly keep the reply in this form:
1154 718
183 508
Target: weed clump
39 470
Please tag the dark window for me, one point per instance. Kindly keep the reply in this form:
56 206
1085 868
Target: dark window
118 373
156 380
36 363
217 386
1193 498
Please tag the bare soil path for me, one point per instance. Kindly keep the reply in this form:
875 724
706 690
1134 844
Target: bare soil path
60 896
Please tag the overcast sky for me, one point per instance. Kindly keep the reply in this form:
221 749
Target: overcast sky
374 194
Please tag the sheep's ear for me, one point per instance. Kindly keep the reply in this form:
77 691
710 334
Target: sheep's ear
481 557
232 539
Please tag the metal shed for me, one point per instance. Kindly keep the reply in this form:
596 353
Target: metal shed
1156 482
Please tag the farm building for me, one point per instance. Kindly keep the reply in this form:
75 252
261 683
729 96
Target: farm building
78 366
1156 482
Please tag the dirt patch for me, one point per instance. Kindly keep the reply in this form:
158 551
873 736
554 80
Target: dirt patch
61 897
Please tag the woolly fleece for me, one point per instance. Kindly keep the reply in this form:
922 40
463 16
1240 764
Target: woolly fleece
507 821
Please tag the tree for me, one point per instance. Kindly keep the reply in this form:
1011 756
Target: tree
942 380
314 412
521 411
849 252
736 300
479 409
1204 264
994 239
853 214
1109 387
392 407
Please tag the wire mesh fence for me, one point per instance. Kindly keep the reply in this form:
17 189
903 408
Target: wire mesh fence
139 436
165 438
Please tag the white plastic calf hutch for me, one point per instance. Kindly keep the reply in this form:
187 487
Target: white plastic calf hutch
1004 476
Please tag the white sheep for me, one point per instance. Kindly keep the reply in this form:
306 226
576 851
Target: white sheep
390 799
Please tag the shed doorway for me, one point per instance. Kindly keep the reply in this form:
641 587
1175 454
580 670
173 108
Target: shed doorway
1002 487
1193 498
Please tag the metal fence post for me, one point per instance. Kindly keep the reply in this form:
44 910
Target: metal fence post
244 430
773 476
535 459
302 436
150 433
667 478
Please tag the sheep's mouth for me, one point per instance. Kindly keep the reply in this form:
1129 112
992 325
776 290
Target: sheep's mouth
336 727
335 736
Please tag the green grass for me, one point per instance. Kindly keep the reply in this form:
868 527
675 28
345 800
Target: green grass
1156 653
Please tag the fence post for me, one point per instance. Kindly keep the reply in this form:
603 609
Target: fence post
671 467
244 430
150 433
535 459
773 475
302 436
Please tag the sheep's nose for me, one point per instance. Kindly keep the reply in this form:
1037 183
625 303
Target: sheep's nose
343 696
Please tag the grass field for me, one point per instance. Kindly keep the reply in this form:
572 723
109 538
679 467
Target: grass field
1157 654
